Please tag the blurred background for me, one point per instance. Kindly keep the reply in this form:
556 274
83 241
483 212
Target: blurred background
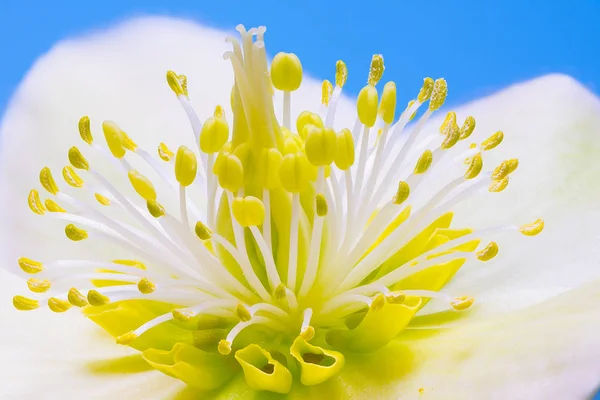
478 46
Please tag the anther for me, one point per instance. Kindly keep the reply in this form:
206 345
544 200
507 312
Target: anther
126 338
53 206
182 315
376 70
378 302
326 92
341 73
202 231
513 164
498 186
321 205
492 141
48 181
76 298
387 107
501 171
84 130
426 90
35 203
101 199
307 118
164 152
30 266
468 127
224 347
145 286
533 228
395 297
490 251
344 154
286 72
175 83
38 285
74 233
214 135
23 303
142 185
449 120
71 177
77 159
114 138
462 303
366 105
438 95
58 305
308 333
402 193
186 166
97 299
155 208
475 166
243 313
424 162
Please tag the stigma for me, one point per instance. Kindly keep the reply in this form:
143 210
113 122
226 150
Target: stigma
308 244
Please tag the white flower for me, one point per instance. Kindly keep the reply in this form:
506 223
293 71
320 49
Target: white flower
532 332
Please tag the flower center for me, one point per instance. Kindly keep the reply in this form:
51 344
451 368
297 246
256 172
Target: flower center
302 251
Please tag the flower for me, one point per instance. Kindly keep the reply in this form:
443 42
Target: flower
278 331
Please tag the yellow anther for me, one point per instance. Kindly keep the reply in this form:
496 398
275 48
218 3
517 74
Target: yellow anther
308 118
243 313
501 171
533 228
53 206
308 333
114 138
286 72
128 142
202 231
387 107
142 185
294 172
74 233
424 162
492 141
177 83
248 211
366 105
71 177
341 73
280 292
126 338
48 181
186 166
30 266
475 166
23 303
438 95
462 303
376 70
219 112
224 347
145 286
468 127
268 168
490 251
498 186
164 152
451 137
426 90
421 390
183 315
230 172
402 193
84 130
513 164
76 298
414 114
214 134
326 92
77 159
395 297
97 299
35 203
101 199
38 285
58 305
321 205
320 145
155 208
448 122
378 302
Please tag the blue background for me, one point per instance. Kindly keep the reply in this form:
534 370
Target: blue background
479 46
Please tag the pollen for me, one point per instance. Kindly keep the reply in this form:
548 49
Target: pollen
275 235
